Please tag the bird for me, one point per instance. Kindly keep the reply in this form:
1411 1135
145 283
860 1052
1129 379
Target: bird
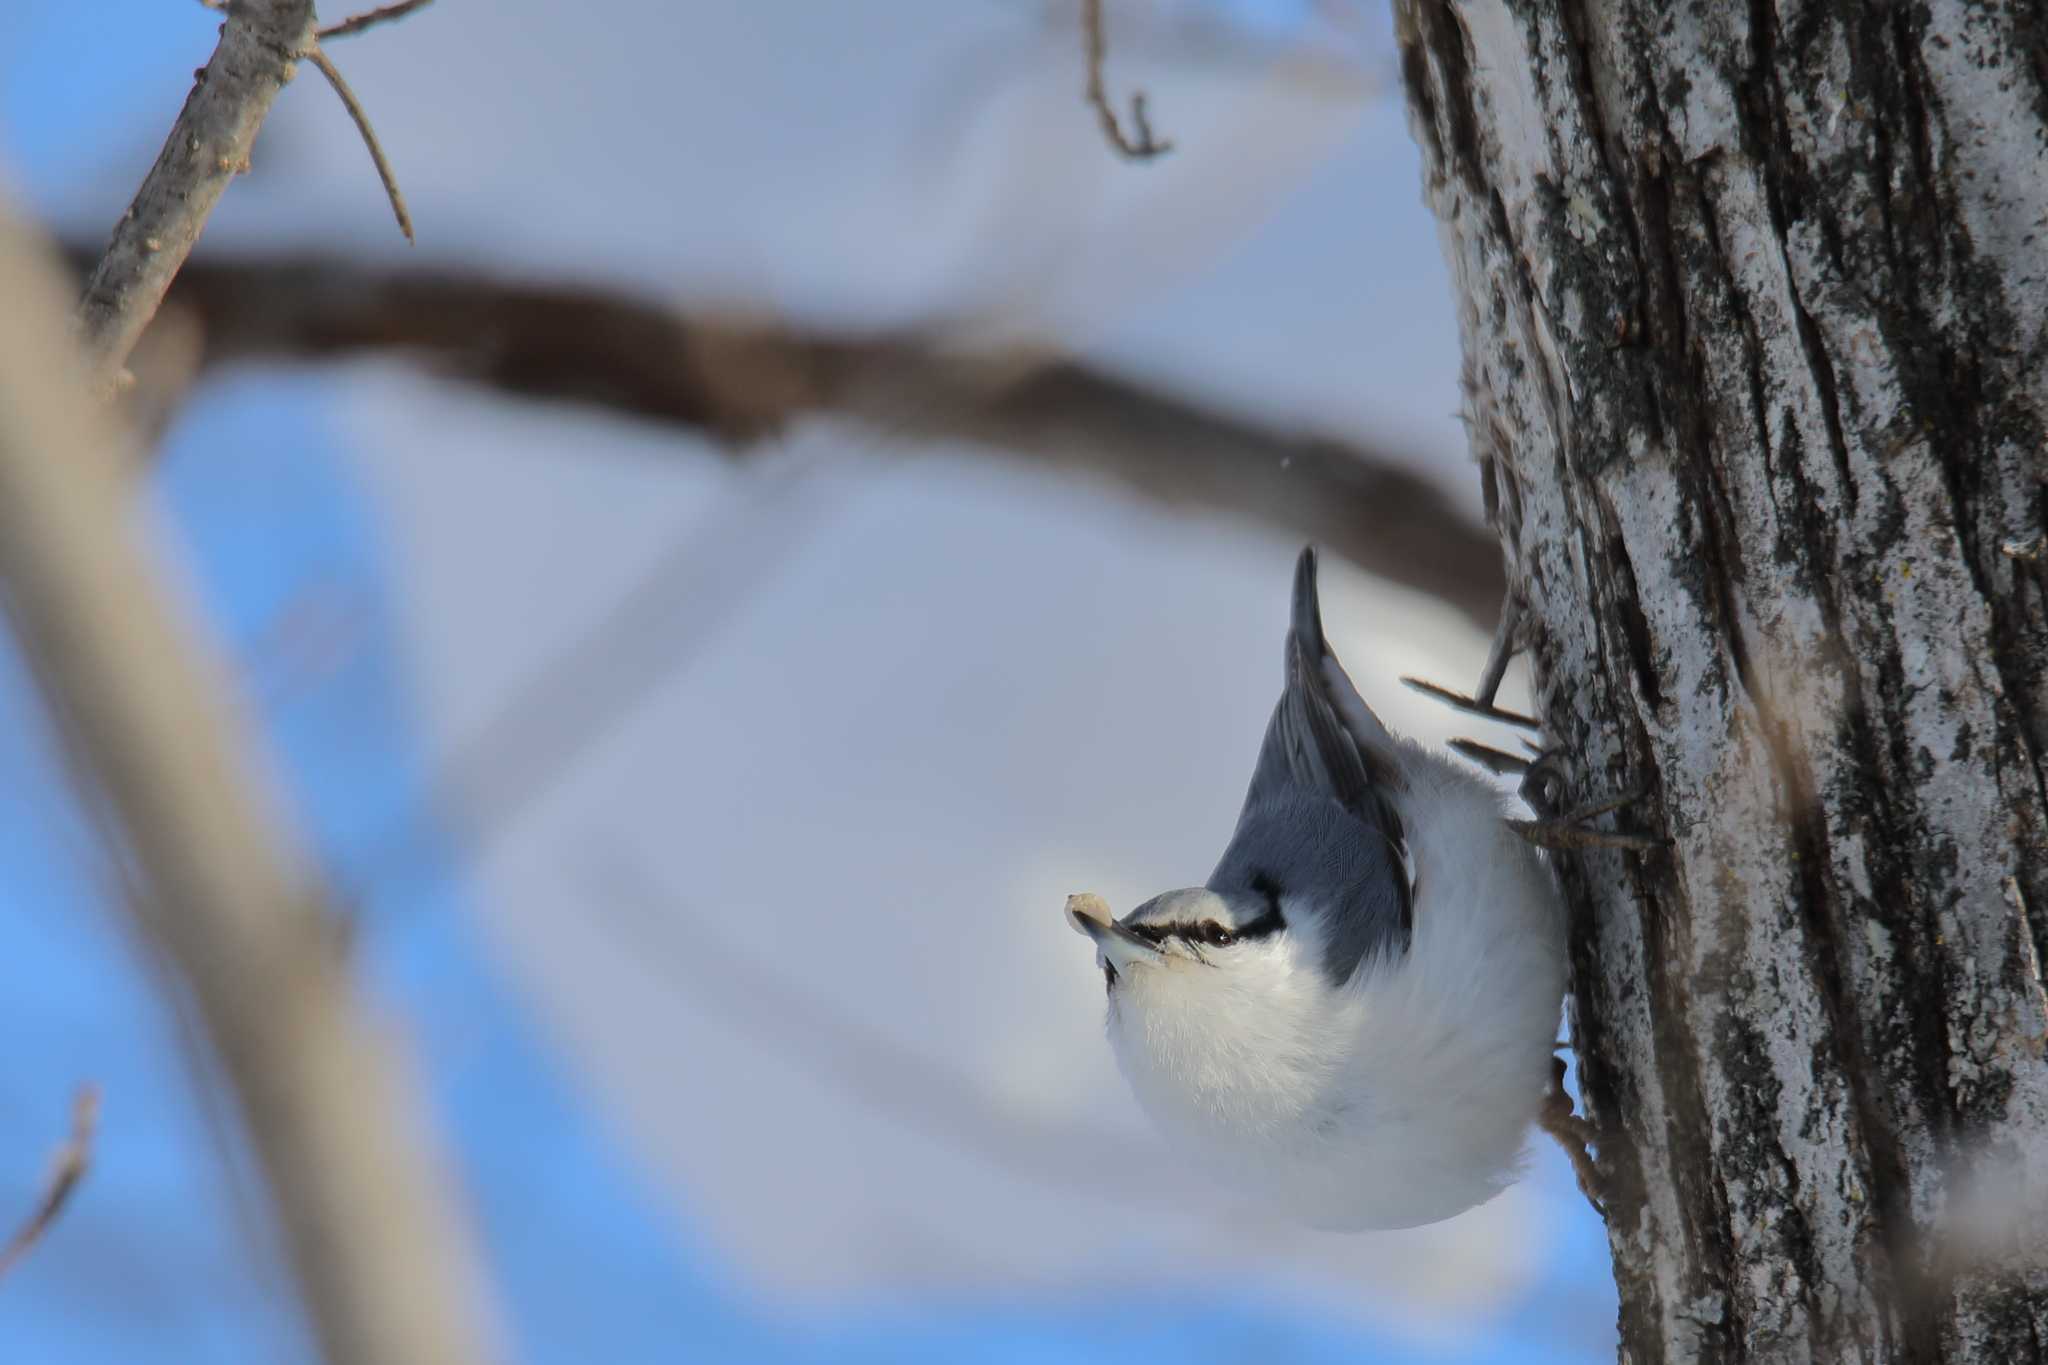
1354 1020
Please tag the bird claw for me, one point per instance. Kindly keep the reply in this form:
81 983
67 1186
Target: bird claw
1543 784
1574 1134
1574 829
1543 790
1471 704
1495 761
1508 639
1507 642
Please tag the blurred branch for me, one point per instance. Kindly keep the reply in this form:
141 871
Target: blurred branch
844 1051
1143 147
379 1252
72 1159
738 381
584 691
209 145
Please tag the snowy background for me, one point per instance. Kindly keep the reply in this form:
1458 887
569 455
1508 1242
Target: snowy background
730 936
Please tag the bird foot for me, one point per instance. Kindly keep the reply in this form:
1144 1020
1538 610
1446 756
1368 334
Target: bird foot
1543 784
1543 790
1471 704
1509 637
1574 1134
1496 761
1507 642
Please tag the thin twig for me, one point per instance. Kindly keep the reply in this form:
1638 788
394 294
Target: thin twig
208 147
362 118
384 14
1144 146
69 1168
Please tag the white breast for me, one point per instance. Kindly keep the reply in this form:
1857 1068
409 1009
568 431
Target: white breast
1402 1097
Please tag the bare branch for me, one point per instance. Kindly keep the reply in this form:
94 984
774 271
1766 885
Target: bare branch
384 14
1142 147
738 381
69 1168
381 1256
355 111
208 146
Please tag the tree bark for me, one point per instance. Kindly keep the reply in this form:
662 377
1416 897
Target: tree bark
1753 303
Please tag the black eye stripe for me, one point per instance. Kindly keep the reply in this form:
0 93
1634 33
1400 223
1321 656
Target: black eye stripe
1271 922
1209 933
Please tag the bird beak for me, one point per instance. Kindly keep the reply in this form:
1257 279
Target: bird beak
1119 947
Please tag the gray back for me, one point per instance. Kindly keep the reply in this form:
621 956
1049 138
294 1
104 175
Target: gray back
1319 824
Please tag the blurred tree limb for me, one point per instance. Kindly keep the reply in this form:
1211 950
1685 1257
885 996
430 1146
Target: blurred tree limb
1140 145
69 1168
739 380
378 1248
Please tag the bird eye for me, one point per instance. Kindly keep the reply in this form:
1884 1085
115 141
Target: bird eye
1218 935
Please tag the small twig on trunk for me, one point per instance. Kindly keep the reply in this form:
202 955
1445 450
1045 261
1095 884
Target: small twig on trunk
69 1168
1144 146
384 14
356 112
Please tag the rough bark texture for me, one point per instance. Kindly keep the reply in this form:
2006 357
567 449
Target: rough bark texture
260 43
1753 301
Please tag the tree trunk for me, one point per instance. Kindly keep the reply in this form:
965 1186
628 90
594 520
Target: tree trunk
1753 304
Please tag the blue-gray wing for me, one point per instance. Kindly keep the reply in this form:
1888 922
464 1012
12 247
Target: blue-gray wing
1323 748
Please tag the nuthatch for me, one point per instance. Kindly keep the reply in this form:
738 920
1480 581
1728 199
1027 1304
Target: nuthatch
1354 1019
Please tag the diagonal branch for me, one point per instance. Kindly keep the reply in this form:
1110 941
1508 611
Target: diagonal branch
739 381
380 1252
209 145
72 1160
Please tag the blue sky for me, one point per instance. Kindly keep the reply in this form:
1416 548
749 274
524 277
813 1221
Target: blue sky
276 494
